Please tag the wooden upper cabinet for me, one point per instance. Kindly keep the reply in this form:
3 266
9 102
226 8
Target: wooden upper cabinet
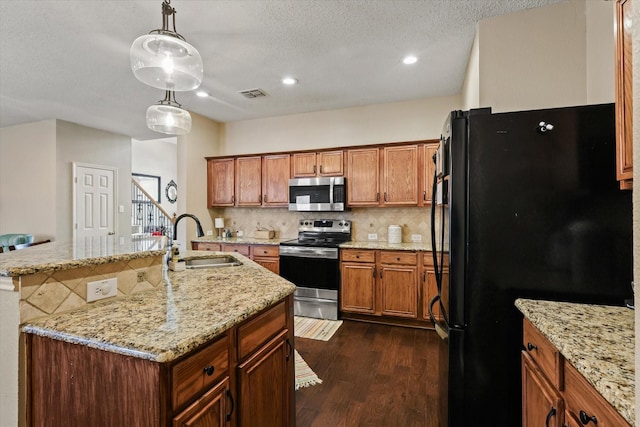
400 173
249 181
221 180
324 163
428 168
624 84
276 171
363 183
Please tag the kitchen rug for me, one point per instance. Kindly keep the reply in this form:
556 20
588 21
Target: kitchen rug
315 329
305 377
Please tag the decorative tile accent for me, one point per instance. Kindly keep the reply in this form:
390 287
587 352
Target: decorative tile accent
65 290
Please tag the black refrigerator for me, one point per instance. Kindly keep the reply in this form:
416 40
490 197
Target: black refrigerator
528 206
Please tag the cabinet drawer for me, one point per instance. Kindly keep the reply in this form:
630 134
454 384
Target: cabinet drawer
398 257
265 251
581 396
357 255
193 375
427 259
546 356
201 246
262 328
241 249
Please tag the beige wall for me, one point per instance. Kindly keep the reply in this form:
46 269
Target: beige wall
202 141
157 157
36 189
471 86
27 187
399 121
600 52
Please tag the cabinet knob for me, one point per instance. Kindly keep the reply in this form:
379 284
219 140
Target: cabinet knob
531 346
357 256
398 259
209 370
586 419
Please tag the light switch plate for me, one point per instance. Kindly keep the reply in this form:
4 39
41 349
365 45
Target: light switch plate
416 237
373 236
101 289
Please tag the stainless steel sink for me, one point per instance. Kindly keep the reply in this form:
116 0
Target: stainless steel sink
213 262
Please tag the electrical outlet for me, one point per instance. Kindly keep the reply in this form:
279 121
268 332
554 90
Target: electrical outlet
373 236
416 237
209 232
101 289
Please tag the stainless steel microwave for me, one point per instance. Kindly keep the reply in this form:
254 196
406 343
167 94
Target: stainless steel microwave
325 194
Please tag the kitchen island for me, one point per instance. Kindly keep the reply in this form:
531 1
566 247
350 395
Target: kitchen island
595 346
207 340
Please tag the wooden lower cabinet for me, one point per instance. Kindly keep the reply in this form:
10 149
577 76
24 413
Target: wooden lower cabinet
208 411
243 378
554 393
383 285
262 382
267 256
542 404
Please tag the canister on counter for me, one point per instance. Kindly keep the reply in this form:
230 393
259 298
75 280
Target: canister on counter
395 234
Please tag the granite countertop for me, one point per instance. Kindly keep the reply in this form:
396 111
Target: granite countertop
193 307
597 340
414 246
64 255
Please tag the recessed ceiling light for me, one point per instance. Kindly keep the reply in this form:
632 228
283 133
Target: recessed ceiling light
410 59
289 81
202 94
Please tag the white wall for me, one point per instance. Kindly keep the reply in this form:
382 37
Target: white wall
27 179
76 143
157 157
392 122
471 86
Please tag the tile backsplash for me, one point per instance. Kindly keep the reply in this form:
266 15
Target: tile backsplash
414 220
51 292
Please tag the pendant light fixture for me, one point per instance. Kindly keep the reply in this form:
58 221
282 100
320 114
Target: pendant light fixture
167 117
164 60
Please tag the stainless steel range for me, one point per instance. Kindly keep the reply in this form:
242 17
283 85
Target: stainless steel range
312 263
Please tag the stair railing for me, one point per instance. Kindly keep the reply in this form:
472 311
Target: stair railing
148 214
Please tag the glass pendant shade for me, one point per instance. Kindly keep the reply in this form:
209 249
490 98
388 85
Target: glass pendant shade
166 62
168 119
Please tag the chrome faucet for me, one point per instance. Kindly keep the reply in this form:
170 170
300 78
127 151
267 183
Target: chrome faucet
198 225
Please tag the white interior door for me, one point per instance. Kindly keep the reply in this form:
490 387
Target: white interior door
94 201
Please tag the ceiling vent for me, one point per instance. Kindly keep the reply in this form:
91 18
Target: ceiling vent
253 93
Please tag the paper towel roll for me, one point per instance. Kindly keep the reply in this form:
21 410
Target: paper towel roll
219 222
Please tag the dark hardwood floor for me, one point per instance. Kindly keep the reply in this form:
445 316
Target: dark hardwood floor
373 375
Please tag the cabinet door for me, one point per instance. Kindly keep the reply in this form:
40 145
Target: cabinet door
271 264
430 290
208 411
542 404
263 399
276 171
220 178
363 186
249 181
399 291
624 85
400 173
428 168
304 165
357 294
330 163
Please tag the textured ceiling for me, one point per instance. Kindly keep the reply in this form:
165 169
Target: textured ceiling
70 59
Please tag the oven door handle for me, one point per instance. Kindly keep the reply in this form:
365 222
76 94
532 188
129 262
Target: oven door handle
310 253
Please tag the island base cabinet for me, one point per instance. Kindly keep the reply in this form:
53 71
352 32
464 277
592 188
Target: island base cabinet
264 397
208 411
66 381
542 404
